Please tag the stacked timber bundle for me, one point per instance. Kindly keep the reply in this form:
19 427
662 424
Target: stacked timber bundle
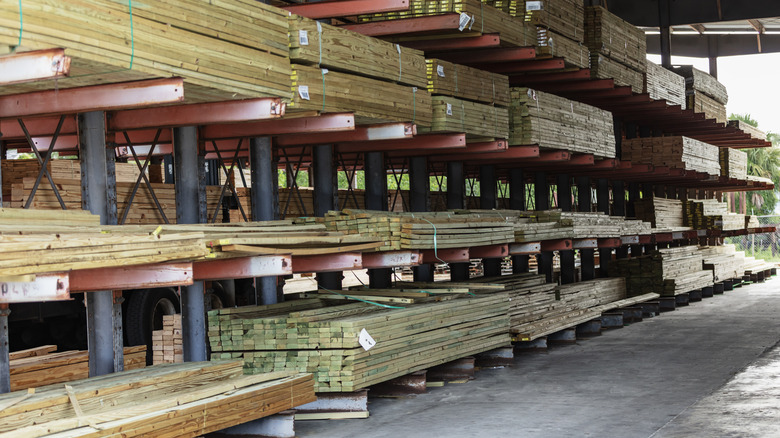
660 212
296 203
711 214
334 48
475 17
477 120
754 266
44 366
668 272
430 230
724 262
752 221
533 226
704 93
230 50
585 224
353 346
560 27
618 49
467 83
555 122
635 228
664 84
182 400
371 100
167 344
673 152
748 129
733 163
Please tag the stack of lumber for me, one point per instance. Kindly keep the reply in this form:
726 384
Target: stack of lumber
662 213
298 203
371 100
305 335
664 84
560 27
558 123
724 262
334 48
635 227
752 221
44 366
668 272
533 226
733 163
477 120
233 49
711 214
618 49
584 224
748 129
476 18
183 400
673 152
704 93
429 230
167 344
753 265
467 83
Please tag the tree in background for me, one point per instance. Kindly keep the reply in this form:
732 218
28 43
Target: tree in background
764 162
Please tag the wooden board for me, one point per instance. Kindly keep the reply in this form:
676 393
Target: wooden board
668 272
664 84
697 80
603 67
711 108
675 152
467 83
475 119
608 35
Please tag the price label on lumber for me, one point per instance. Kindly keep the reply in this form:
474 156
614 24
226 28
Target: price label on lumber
464 21
365 340
303 91
440 70
303 37
449 109
533 6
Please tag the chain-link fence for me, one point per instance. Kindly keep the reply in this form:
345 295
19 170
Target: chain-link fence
762 246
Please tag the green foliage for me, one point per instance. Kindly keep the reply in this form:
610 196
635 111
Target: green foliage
763 162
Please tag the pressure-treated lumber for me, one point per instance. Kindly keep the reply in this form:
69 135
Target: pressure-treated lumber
664 84
697 80
724 262
662 213
702 103
233 49
710 214
477 120
604 67
573 52
733 163
609 35
748 129
467 83
668 272
673 152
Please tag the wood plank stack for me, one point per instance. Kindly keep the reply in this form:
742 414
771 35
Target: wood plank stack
331 47
371 100
293 204
183 400
664 84
428 230
704 93
304 335
167 344
618 49
467 83
558 123
668 272
673 152
711 214
724 262
234 49
477 120
43 366
748 129
560 27
754 266
476 18
733 163
662 213
752 221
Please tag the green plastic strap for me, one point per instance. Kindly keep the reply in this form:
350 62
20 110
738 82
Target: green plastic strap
373 303
132 35
21 27
435 240
414 104
324 71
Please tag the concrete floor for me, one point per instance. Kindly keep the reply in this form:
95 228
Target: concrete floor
663 377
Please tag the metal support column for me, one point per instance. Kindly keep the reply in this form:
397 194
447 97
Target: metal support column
712 49
542 202
587 258
376 199
168 177
634 194
664 17
602 199
188 173
265 205
5 359
325 199
419 200
487 201
98 195
568 270
456 199
517 202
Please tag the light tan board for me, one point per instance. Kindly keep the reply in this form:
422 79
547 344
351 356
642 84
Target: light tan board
661 83
449 79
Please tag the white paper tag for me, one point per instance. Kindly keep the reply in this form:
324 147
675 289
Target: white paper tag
325 71
365 340
533 6
303 91
303 37
440 70
464 21
398 47
449 109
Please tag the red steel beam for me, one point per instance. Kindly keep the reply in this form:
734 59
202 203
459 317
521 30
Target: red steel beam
490 40
97 97
346 261
489 251
610 242
131 277
566 76
447 255
37 126
389 259
556 245
497 55
471 148
345 8
385 131
33 66
521 248
45 287
513 153
197 114
520 67
323 123
408 26
243 267
418 143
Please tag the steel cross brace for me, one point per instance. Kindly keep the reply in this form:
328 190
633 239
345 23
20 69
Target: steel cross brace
350 178
293 183
228 181
398 178
43 162
143 177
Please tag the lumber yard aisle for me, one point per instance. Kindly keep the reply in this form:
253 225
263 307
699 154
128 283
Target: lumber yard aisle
629 382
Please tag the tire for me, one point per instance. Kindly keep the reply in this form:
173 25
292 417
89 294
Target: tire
145 309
